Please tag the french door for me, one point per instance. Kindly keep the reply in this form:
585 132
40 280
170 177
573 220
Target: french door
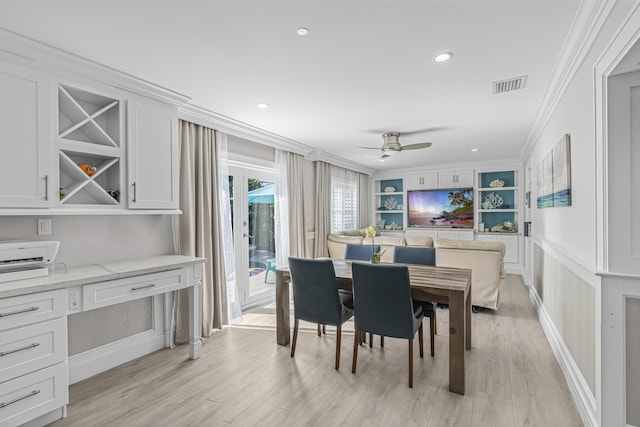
252 191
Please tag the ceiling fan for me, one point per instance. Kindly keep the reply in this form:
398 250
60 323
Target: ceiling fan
391 146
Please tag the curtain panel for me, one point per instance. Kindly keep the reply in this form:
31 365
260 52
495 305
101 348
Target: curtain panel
289 206
364 200
200 227
323 208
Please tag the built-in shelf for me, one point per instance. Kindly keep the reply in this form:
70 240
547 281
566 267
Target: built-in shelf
89 131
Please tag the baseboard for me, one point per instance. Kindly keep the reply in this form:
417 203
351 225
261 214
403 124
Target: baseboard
583 398
89 363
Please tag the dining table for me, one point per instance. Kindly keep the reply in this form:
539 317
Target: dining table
445 285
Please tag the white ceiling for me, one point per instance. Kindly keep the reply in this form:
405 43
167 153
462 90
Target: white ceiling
365 67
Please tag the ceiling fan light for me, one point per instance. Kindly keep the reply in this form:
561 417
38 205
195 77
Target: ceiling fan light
442 57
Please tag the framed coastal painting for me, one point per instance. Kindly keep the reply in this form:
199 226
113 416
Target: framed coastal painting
554 176
562 172
545 182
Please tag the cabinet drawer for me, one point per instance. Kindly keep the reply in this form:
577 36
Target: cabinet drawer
122 290
27 309
33 347
30 396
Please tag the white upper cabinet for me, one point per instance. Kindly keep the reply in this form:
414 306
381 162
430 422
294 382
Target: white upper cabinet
422 181
455 179
152 156
25 151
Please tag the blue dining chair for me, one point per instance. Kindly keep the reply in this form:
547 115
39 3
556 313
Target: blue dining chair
423 256
360 252
382 305
316 298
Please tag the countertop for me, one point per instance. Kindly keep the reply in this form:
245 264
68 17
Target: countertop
92 273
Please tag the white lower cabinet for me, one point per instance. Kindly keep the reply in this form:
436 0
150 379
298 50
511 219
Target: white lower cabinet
511 255
441 234
33 357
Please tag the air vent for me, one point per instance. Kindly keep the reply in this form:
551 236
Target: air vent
509 85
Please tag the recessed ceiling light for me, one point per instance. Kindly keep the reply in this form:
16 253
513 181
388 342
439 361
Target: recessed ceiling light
302 31
474 149
262 105
442 57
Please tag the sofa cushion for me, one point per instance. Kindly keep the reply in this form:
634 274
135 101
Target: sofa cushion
419 241
471 244
384 240
341 238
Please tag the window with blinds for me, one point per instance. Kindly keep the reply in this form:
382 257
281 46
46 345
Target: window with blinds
344 204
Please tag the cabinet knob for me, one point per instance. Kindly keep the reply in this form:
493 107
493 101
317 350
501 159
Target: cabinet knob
133 185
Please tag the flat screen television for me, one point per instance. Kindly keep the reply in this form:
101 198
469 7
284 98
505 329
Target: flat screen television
440 208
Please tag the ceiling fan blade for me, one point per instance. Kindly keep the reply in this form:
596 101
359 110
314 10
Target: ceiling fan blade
416 146
429 129
370 148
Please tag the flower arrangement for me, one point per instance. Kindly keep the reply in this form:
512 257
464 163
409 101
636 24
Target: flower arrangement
370 231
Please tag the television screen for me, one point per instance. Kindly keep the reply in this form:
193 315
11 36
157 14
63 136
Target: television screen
441 208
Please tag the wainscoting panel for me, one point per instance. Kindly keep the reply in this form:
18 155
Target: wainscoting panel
632 360
570 302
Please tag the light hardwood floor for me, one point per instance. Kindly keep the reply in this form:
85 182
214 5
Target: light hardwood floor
245 379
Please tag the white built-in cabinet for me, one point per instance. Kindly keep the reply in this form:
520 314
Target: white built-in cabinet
25 150
422 181
78 147
455 179
153 156
511 256
444 179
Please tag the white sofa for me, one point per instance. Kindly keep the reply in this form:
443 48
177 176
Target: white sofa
486 261
338 242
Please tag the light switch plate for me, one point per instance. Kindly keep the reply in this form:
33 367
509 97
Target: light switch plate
44 227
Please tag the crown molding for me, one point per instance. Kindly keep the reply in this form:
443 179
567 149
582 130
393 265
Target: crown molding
588 22
484 165
52 60
204 117
319 155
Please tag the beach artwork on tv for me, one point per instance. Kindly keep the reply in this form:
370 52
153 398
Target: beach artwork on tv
447 208
554 176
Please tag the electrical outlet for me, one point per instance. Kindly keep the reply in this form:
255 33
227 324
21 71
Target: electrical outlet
74 299
44 227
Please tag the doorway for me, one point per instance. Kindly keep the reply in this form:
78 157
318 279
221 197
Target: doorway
253 220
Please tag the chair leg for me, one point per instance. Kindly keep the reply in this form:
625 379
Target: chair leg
295 337
435 326
370 340
324 329
410 363
421 340
432 333
356 343
338 338
381 340
319 333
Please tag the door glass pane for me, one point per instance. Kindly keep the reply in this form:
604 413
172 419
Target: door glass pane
261 248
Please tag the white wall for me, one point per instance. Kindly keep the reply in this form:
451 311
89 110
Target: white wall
99 239
568 234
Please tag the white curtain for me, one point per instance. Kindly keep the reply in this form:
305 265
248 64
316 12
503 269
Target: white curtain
289 207
323 208
364 201
234 310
